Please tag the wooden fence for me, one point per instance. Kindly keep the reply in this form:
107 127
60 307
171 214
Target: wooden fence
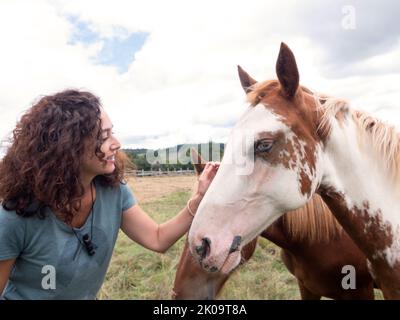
143 173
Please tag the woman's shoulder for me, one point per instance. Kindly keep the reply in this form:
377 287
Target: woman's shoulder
11 219
115 189
124 186
122 194
122 189
8 215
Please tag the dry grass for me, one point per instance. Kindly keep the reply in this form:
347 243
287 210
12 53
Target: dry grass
148 189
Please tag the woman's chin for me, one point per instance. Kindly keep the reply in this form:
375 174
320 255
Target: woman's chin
108 168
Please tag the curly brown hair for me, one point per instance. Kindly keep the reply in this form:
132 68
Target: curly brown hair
41 167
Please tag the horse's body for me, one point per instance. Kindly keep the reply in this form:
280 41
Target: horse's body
303 143
314 249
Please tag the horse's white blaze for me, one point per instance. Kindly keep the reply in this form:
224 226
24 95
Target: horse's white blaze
353 169
259 118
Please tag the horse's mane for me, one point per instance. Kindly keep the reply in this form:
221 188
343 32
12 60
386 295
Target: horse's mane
313 222
372 132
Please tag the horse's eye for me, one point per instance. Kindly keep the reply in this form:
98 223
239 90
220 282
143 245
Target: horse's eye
263 146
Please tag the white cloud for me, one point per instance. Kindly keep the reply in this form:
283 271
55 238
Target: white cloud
182 86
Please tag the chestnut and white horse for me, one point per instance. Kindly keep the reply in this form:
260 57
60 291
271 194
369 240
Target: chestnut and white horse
303 143
314 248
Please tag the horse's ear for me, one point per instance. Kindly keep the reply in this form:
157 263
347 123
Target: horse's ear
287 72
245 80
198 161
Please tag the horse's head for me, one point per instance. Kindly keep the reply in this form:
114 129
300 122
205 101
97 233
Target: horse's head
284 154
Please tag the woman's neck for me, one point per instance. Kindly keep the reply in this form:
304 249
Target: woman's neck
87 181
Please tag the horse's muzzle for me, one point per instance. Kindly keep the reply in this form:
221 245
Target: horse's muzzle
203 251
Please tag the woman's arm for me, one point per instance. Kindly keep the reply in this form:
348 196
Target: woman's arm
141 228
5 269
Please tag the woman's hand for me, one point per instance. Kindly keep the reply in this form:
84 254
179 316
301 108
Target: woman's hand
142 229
206 177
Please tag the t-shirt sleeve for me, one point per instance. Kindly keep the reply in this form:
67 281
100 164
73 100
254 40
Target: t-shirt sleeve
12 234
128 198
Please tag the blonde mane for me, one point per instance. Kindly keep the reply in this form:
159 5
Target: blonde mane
313 222
372 132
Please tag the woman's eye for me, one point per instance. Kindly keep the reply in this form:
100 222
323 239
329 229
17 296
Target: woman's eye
105 137
263 146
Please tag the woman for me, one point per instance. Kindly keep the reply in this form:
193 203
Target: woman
64 200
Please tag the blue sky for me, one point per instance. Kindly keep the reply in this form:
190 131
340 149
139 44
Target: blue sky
118 51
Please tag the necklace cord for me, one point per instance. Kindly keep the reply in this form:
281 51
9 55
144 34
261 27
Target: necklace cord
87 242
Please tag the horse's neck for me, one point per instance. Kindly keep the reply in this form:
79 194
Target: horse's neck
358 191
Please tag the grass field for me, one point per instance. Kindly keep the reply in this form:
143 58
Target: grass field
137 273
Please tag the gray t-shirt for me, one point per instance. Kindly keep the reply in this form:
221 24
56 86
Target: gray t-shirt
47 247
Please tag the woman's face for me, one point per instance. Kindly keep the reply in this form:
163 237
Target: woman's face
91 164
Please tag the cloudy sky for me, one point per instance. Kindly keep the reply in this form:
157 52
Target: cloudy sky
166 70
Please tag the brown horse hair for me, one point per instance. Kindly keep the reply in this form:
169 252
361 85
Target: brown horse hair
304 224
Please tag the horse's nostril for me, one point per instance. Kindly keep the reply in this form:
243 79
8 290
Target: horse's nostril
199 250
203 250
235 244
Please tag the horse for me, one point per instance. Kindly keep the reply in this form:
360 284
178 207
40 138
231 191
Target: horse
295 143
314 249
